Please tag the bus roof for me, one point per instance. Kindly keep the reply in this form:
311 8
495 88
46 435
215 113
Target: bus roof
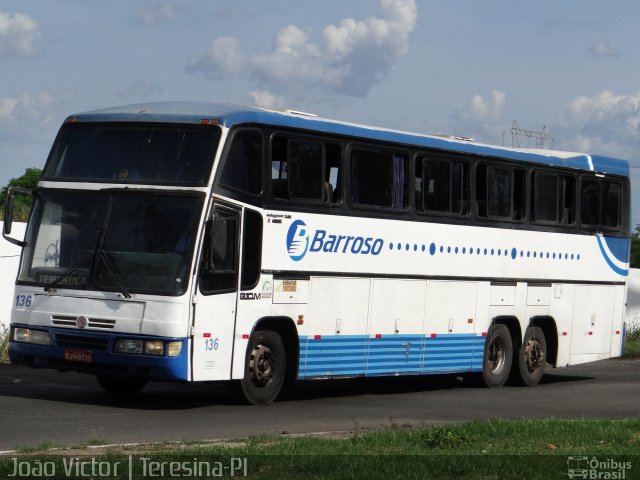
229 115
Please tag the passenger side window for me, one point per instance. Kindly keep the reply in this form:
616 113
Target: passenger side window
500 192
243 164
305 170
553 198
600 203
378 179
443 186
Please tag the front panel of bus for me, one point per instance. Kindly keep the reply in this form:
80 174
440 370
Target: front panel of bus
105 278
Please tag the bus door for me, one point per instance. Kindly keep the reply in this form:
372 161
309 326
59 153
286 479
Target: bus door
215 301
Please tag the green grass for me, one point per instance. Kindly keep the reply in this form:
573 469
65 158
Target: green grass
632 338
532 449
4 344
632 348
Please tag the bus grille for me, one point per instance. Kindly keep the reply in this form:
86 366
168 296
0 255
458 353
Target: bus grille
69 321
74 341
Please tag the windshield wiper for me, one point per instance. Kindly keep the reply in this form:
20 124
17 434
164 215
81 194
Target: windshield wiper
102 255
84 262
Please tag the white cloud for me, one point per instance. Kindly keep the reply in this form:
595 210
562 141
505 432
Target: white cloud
28 123
19 35
266 99
7 105
25 111
480 118
354 55
156 14
480 109
224 59
601 47
605 123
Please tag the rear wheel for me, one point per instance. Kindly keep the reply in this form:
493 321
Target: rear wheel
265 367
498 356
532 358
114 384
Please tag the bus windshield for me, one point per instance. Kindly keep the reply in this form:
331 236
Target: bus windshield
111 240
140 153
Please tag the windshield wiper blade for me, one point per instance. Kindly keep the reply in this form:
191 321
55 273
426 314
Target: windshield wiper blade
102 255
84 262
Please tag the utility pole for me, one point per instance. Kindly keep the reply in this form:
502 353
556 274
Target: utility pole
542 139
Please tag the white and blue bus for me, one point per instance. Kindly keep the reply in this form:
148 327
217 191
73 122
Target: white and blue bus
212 242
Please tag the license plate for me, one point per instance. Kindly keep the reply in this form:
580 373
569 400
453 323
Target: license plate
82 356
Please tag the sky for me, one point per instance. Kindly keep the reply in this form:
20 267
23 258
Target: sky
570 68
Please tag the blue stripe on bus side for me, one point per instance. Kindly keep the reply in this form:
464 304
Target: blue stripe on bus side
333 355
453 353
344 355
395 354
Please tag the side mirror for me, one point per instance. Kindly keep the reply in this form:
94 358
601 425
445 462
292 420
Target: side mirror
8 214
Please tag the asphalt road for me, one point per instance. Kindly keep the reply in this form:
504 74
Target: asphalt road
43 406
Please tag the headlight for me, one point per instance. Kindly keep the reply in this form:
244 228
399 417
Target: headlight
154 347
174 349
128 345
21 335
26 335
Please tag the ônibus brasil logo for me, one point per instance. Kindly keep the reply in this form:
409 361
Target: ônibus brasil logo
301 240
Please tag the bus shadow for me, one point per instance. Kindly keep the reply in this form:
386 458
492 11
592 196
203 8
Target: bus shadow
312 389
82 389
559 378
317 389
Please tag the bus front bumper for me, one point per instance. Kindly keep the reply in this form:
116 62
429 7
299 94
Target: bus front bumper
95 353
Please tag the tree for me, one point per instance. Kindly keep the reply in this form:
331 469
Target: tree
22 204
635 248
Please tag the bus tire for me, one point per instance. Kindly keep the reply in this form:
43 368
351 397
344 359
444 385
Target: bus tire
122 385
265 367
532 358
498 356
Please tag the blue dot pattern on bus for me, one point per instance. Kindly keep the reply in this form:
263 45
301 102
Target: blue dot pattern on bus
514 253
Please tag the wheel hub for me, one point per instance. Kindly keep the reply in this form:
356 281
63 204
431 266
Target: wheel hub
497 354
261 365
533 355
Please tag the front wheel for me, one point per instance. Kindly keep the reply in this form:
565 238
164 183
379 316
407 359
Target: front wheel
532 358
265 368
498 356
121 385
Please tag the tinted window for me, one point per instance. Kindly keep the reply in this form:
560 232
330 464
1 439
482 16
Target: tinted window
443 186
590 203
218 270
135 153
306 170
113 238
553 198
600 201
243 165
500 192
378 179
610 205
251 249
546 195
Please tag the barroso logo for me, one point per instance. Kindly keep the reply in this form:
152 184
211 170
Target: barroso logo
297 240
301 239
